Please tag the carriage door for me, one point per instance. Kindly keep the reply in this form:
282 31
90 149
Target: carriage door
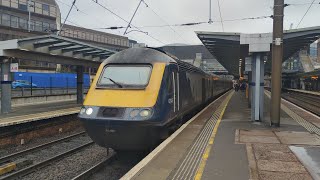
174 94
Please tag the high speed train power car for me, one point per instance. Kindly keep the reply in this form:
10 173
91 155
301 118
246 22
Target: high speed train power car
139 94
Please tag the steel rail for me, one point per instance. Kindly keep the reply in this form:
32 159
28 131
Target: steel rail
9 157
304 100
35 167
86 174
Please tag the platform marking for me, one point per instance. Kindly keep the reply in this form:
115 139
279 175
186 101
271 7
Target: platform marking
7 168
37 116
206 154
137 169
304 123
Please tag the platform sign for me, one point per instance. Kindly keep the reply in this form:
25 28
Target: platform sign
5 77
248 64
14 67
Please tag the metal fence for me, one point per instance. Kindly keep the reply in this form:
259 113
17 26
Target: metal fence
45 85
23 92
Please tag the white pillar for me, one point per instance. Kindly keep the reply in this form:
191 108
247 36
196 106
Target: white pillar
257 92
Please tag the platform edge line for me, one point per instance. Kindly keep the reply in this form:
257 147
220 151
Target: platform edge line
309 126
296 106
137 168
205 156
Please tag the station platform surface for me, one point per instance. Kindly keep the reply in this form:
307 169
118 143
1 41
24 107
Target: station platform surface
317 93
221 142
21 114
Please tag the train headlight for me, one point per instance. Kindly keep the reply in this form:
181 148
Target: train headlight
83 110
145 113
89 111
134 113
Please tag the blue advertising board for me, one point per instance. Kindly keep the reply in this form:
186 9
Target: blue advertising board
54 80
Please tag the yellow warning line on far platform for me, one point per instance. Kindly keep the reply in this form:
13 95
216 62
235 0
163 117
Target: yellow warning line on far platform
211 141
7 168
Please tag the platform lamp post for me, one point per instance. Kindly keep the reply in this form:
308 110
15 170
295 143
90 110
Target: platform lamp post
277 55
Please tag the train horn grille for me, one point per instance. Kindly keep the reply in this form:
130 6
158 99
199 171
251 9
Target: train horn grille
112 112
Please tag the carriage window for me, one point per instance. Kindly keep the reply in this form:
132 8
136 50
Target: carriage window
125 76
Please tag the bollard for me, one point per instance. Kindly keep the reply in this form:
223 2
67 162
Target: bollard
67 86
31 85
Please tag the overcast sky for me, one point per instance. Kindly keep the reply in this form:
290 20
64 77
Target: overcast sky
92 16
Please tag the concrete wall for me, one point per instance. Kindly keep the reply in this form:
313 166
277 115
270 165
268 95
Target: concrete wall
21 101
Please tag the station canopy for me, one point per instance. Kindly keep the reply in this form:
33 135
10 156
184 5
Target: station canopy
227 49
54 49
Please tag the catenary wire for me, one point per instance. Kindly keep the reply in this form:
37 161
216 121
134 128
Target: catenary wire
148 6
107 9
220 15
81 11
191 23
73 3
305 13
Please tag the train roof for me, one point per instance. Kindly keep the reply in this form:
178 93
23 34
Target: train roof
139 55
150 55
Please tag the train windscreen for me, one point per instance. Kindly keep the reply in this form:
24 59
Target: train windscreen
124 76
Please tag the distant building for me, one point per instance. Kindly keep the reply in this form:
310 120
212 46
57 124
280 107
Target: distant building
46 19
292 65
313 50
132 43
97 38
196 55
139 45
14 18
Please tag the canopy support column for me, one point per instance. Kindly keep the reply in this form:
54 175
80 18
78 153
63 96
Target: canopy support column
80 84
6 81
257 100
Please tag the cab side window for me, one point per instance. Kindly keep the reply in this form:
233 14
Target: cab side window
170 83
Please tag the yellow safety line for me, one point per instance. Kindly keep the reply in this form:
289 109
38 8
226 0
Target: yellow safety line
7 168
211 141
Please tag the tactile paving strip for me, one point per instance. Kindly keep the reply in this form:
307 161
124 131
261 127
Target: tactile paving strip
188 168
304 123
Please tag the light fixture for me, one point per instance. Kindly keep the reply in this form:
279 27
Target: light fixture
89 111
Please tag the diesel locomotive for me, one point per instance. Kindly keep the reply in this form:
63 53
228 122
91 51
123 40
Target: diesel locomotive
140 94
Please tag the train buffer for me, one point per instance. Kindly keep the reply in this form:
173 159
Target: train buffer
221 142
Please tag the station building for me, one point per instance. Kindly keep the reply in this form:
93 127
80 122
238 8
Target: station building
45 18
97 38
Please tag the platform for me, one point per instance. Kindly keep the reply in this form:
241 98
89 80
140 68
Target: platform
221 142
317 93
22 114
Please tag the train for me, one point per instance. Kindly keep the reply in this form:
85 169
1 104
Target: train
140 95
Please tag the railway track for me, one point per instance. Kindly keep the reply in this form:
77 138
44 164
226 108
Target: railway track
40 150
95 168
35 167
9 157
307 101
60 160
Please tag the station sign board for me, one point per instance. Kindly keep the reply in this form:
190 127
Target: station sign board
14 67
248 64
